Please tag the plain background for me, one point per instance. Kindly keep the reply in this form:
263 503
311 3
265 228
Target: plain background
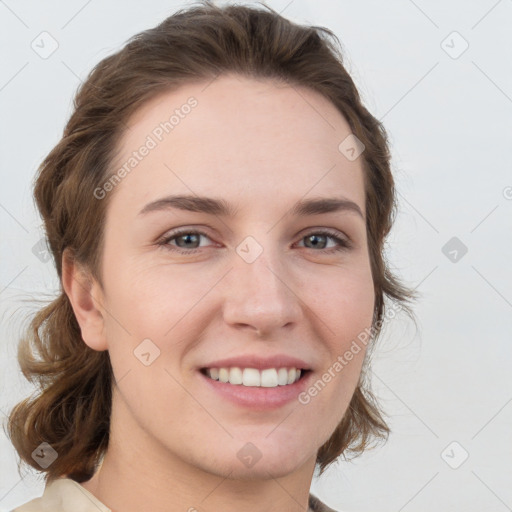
445 385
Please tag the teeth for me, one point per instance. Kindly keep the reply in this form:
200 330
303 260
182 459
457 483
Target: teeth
223 374
252 377
269 378
235 376
282 376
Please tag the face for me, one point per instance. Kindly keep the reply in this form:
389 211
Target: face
246 279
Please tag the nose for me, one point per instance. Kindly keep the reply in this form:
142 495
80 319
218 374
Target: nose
261 297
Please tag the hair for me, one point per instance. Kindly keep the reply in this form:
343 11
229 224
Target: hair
71 408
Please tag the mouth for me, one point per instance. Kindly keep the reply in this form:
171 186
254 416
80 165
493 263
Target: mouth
257 382
253 377
256 390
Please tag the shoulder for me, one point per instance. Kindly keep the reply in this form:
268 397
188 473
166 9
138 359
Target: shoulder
64 495
315 505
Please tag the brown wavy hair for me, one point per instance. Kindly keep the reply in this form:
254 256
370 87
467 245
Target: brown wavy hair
71 408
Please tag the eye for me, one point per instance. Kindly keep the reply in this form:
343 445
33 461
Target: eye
319 239
186 241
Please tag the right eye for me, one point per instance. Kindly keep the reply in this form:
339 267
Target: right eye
185 241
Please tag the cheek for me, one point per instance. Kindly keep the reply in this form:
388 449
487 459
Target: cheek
344 302
150 301
346 311
145 332
350 307
167 308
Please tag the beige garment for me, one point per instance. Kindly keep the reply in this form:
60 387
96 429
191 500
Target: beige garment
66 495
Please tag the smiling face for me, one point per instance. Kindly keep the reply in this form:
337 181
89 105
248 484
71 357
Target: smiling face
255 272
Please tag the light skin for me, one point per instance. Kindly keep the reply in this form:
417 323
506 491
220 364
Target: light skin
260 146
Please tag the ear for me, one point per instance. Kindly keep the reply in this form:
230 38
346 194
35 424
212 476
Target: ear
86 298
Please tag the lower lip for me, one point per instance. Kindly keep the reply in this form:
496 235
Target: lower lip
258 398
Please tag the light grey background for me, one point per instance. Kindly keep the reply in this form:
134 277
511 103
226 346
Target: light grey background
449 118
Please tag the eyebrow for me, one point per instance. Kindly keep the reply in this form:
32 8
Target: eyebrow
220 207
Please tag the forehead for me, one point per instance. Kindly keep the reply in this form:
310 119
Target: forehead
254 139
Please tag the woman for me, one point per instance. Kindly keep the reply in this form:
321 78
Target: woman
216 376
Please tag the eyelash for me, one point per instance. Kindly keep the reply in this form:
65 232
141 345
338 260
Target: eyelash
343 244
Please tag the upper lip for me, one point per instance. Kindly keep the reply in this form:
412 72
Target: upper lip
258 362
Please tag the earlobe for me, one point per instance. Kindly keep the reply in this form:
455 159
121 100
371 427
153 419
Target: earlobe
86 299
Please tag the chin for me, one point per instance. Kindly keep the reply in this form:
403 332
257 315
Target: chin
251 463
262 470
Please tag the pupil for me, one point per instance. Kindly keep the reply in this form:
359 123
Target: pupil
315 237
187 237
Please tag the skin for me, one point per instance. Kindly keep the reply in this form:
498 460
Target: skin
261 146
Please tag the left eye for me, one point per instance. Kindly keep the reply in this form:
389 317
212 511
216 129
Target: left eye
187 237
313 238
189 241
